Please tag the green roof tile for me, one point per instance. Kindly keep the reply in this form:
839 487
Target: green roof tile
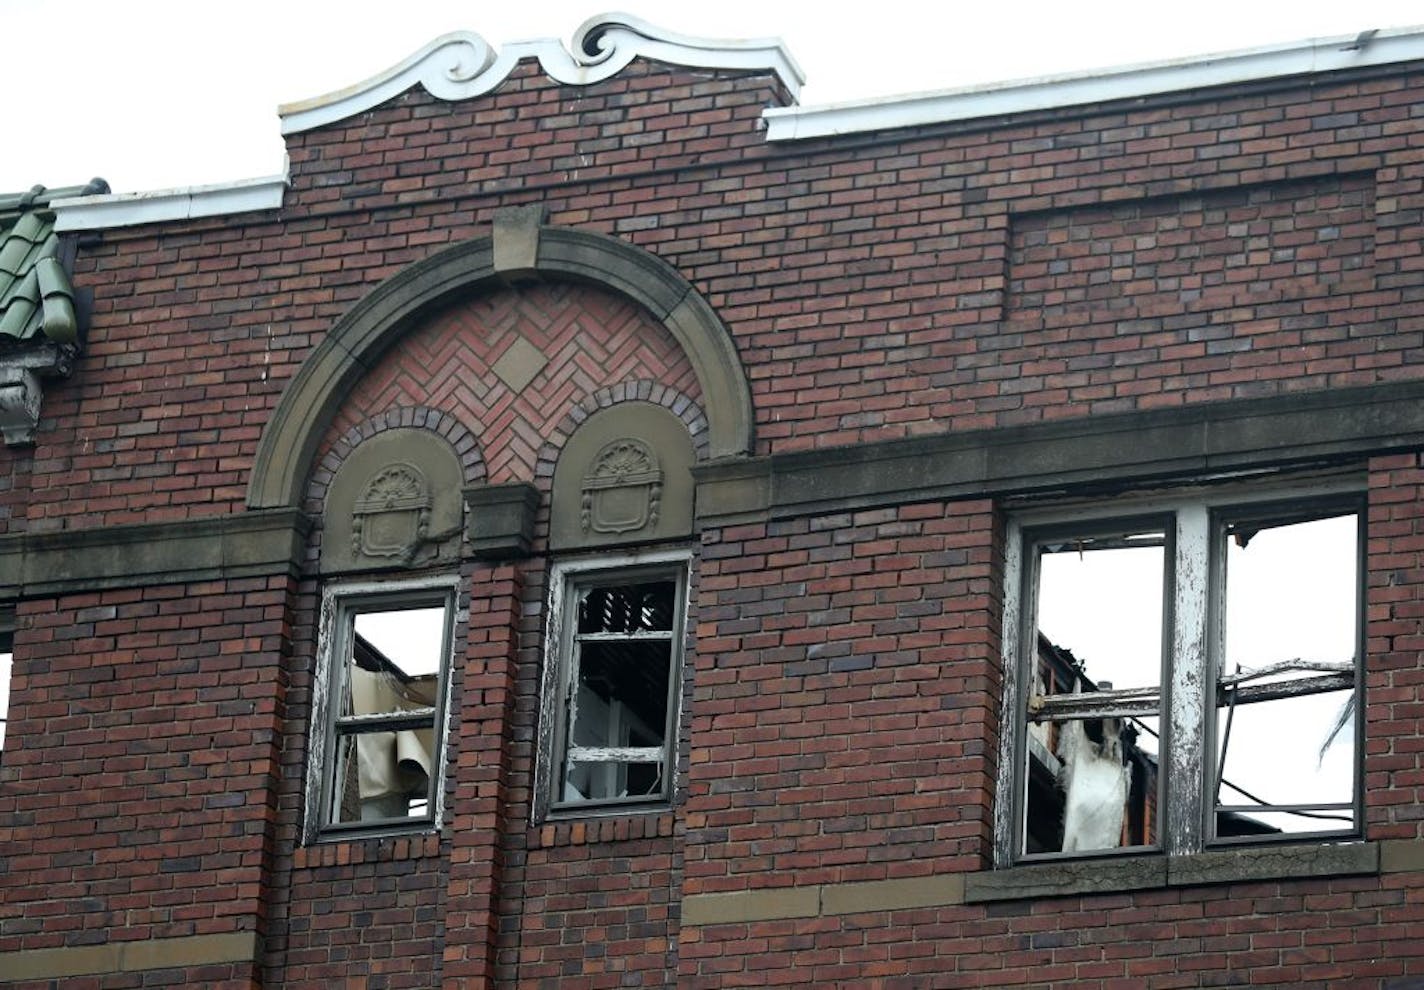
36 296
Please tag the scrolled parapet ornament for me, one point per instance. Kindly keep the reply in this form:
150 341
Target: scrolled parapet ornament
462 65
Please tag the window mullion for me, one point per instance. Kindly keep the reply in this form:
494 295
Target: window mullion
1186 783
1010 785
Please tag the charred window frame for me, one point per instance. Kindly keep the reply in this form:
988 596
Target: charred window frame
1175 751
379 712
612 684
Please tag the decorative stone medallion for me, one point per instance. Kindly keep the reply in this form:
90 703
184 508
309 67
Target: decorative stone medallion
624 476
395 501
392 518
622 490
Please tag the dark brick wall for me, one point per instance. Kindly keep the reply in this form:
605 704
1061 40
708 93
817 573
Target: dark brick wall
1319 934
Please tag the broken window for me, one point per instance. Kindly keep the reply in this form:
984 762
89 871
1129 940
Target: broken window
618 635
385 670
1185 677
1286 689
1091 768
7 662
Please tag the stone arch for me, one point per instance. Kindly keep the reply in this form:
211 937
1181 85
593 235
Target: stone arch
520 249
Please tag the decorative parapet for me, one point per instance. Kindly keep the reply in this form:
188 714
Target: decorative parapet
462 65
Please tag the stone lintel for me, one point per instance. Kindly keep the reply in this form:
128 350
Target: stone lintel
135 956
1206 440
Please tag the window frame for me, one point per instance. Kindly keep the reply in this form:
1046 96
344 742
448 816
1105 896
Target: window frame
7 671
566 579
1165 521
341 603
1193 650
1222 516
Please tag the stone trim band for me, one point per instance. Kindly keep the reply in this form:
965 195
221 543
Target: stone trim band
130 957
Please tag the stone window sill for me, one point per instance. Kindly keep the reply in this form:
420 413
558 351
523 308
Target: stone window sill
1063 878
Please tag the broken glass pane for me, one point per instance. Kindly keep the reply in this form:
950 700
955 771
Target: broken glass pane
606 780
622 693
1288 738
1092 783
381 775
394 665
630 608
1100 601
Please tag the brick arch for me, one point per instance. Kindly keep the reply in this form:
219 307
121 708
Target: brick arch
466 446
291 438
675 402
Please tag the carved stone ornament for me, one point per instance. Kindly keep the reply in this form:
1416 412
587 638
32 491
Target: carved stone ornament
622 489
624 476
392 516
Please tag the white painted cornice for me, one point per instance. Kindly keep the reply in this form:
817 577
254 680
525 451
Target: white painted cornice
463 65
1097 86
129 209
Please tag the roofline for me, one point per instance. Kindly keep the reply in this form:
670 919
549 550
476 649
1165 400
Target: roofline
186 203
1369 48
462 65
39 197
618 39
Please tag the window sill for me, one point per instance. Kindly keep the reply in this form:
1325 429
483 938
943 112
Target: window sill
1111 875
607 828
355 849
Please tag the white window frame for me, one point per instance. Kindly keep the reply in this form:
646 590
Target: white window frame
566 579
1193 645
340 604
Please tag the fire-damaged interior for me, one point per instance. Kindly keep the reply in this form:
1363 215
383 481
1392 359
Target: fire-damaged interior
1283 606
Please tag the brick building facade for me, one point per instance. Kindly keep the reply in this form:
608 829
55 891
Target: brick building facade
582 527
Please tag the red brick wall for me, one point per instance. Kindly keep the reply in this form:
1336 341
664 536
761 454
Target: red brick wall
846 678
139 760
843 690
1394 687
865 282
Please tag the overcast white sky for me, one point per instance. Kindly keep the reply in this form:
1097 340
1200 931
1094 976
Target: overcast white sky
152 94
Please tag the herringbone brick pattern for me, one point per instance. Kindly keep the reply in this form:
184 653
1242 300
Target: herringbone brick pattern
593 340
